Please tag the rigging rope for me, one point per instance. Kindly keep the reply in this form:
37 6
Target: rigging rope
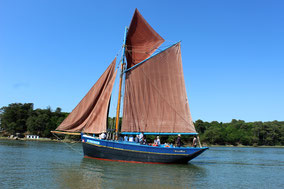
142 50
67 144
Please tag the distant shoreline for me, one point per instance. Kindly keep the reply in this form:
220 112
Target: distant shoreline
72 141
41 140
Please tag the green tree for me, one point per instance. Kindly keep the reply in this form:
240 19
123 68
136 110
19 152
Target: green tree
14 117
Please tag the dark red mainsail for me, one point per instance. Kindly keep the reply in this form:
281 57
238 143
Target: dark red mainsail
155 97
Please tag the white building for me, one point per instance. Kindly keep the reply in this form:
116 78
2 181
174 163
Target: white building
32 136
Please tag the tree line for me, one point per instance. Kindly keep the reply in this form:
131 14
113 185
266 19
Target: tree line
23 118
240 132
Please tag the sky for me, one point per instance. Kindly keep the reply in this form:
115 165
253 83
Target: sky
52 52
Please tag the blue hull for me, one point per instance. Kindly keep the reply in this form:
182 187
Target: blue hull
134 152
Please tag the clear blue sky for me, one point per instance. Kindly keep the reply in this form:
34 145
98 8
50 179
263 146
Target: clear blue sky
52 52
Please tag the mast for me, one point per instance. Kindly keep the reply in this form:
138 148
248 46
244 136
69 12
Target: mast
120 84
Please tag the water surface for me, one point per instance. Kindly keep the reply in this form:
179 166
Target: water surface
33 164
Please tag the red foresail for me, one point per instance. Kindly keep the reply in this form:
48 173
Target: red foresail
155 97
90 114
141 41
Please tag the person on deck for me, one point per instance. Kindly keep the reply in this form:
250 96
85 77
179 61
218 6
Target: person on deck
194 142
141 135
155 143
166 145
102 136
126 138
158 140
179 141
144 141
137 139
131 138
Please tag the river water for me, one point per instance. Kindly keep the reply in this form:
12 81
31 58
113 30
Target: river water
33 164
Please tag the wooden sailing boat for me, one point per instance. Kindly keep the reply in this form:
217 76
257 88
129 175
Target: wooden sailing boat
155 102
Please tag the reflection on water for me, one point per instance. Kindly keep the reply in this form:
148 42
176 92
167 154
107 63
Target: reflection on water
31 164
129 175
74 177
106 174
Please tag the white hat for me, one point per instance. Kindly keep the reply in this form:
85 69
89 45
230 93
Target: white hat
178 134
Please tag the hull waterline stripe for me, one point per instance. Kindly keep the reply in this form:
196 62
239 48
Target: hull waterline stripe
125 161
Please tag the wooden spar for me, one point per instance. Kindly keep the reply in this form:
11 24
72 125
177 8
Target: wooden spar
65 133
138 64
120 84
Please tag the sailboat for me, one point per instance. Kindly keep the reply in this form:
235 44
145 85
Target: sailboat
154 103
